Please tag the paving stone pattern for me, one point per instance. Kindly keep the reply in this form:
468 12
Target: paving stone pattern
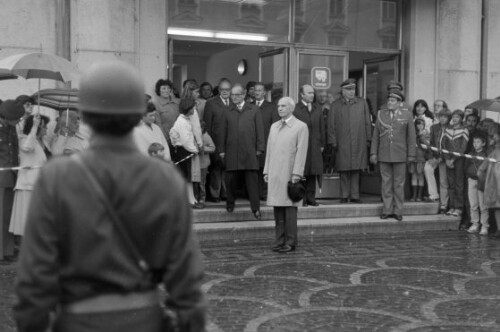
439 281
423 281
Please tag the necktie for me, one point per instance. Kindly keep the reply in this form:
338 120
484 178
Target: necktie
239 107
283 123
225 102
309 107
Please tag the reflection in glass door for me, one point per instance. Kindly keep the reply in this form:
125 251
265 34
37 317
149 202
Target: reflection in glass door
273 66
378 73
322 69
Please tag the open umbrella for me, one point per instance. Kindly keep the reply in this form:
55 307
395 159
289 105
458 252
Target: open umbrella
39 65
481 104
58 99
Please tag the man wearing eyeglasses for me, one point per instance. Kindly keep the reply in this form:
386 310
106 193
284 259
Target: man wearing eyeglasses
215 110
242 143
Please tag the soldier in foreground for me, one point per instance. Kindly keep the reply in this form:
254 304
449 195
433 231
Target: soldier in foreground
97 266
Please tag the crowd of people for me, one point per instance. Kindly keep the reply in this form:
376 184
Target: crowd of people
218 136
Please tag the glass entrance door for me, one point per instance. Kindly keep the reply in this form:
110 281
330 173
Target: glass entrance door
378 73
324 70
273 67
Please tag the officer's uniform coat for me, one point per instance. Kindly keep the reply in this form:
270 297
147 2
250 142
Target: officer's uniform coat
72 251
393 142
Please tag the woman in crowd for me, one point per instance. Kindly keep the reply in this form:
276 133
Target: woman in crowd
421 111
32 152
184 144
167 106
416 168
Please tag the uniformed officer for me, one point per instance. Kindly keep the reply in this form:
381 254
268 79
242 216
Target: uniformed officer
393 145
10 114
75 259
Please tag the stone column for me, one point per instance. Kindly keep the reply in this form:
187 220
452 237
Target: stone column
419 43
491 56
151 48
458 51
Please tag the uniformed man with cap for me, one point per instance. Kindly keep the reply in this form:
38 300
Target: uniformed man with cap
349 133
393 145
10 114
75 260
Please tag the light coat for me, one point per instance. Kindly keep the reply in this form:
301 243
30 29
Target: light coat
286 156
145 135
30 154
350 130
317 137
182 134
242 137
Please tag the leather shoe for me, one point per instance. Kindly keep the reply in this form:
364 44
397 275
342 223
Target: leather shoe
385 216
344 200
277 247
313 203
356 200
230 209
304 203
287 248
398 217
257 215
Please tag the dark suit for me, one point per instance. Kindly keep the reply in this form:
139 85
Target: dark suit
9 157
214 117
242 137
269 113
317 139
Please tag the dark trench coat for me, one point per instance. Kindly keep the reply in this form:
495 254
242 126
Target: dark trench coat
242 137
317 137
350 130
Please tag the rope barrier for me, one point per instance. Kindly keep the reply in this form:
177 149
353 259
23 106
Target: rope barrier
38 166
457 154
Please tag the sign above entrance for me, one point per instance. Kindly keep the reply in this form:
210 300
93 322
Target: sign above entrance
321 77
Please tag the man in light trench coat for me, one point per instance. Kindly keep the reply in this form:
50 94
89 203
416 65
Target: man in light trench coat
285 161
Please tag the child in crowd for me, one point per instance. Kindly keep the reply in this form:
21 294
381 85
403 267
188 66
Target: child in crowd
436 160
455 139
208 147
489 174
421 111
156 150
475 192
416 168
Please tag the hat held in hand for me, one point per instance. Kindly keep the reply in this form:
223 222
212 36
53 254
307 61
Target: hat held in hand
296 191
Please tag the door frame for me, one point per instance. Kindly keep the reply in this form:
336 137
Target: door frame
397 61
286 52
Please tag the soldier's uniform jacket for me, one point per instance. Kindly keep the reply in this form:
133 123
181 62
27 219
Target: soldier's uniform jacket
394 137
72 251
9 154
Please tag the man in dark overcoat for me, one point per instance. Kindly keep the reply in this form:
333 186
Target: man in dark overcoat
349 132
10 114
215 110
312 116
269 113
242 144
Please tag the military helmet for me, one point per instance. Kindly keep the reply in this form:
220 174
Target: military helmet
111 88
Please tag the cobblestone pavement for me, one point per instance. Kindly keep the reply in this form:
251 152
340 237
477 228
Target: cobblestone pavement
440 281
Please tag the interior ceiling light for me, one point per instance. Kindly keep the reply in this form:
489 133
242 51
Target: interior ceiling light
212 34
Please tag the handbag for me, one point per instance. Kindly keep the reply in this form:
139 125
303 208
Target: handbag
170 319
